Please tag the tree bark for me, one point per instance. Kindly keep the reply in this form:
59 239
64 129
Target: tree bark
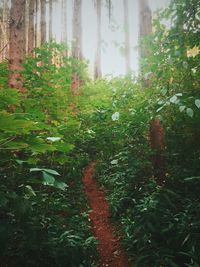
97 66
1 35
36 23
31 26
145 21
145 25
4 31
64 23
43 21
77 30
127 37
156 130
50 20
156 134
17 42
26 25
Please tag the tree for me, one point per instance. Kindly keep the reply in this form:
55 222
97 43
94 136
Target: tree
156 130
97 67
145 18
109 5
36 23
17 42
77 30
50 19
4 30
64 22
127 37
145 25
31 26
43 20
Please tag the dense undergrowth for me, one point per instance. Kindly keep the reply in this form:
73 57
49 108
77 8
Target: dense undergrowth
50 132
160 222
43 214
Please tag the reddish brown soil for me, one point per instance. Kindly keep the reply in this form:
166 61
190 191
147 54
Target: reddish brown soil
109 248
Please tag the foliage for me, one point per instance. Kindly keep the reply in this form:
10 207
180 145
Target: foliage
160 224
43 216
50 132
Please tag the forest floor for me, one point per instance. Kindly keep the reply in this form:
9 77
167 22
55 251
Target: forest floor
109 249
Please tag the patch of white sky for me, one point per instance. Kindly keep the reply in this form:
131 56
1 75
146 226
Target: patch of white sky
113 60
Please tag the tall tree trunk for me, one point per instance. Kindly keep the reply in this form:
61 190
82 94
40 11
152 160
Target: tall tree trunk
1 33
77 30
4 31
127 37
17 42
156 137
145 21
145 24
50 20
109 6
43 21
31 26
156 130
36 23
26 25
97 70
1 45
64 22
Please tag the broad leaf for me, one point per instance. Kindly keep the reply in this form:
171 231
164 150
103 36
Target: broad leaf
54 139
45 170
190 112
60 185
115 116
173 99
182 108
48 179
114 162
197 103
51 171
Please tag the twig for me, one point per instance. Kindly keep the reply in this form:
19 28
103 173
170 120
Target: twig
7 141
3 48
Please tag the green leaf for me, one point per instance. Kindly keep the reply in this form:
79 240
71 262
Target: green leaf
35 170
41 147
51 171
48 179
114 162
8 123
182 108
173 99
185 64
192 178
54 139
60 185
30 191
160 102
186 239
190 112
44 170
3 200
179 94
159 109
15 145
197 103
115 116
64 147
20 162
164 91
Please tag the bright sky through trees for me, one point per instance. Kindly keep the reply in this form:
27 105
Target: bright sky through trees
113 61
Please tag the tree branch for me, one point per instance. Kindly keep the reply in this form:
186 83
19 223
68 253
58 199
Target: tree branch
3 48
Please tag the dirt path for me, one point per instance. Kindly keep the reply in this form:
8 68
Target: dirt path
109 248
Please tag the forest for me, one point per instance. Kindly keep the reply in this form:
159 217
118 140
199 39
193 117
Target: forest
99 170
